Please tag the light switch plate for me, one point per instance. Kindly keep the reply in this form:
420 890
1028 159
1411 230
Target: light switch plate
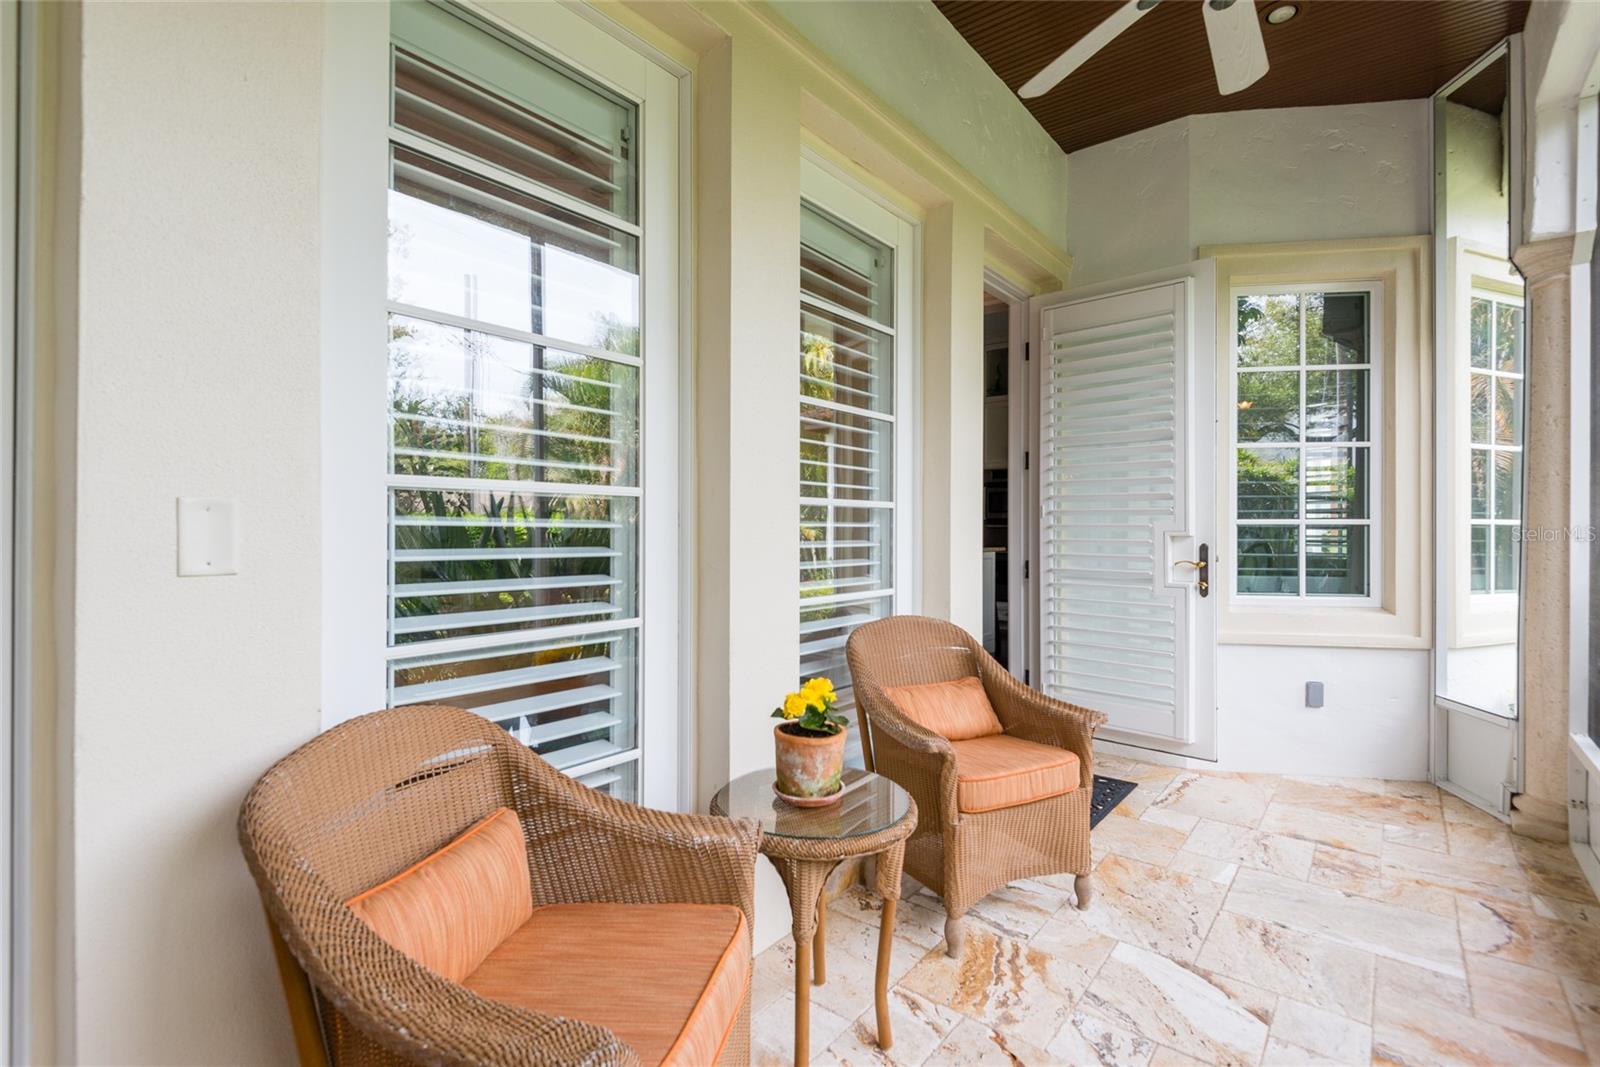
208 536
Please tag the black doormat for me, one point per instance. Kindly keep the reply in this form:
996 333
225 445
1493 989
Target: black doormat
1108 793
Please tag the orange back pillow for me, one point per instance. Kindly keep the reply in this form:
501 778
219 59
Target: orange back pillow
957 711
452 909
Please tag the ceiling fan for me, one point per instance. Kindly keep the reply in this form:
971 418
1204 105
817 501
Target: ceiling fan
1237 50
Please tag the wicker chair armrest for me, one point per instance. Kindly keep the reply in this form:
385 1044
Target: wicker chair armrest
886 719
919 760
1033 716
586 846
425 1018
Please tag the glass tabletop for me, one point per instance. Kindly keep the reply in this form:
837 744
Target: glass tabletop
870 803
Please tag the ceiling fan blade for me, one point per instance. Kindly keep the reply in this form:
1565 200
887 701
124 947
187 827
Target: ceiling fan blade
1237 50
1083 48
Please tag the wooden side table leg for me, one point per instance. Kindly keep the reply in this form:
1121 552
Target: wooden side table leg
804 878
885 947
819 946
890 866
802 1002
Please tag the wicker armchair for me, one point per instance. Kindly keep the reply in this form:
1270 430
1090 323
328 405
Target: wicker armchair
962 855
369 798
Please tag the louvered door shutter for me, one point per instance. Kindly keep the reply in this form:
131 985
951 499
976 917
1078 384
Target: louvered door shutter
1114 630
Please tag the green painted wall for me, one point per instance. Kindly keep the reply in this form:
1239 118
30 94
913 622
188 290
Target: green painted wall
909 56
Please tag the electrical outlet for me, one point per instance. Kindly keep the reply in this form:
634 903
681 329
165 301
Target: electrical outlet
1313 694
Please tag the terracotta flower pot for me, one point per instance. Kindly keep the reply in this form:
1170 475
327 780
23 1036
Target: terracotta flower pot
808 766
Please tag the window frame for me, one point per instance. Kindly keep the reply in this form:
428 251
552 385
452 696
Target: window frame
1376 369
1480 290
834 193
355 453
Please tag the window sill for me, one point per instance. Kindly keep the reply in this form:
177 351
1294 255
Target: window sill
1353 626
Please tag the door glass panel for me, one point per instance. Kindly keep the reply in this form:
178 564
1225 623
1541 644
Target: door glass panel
1479 399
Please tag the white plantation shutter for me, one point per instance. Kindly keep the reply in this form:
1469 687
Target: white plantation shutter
514 394
848 425
1112 485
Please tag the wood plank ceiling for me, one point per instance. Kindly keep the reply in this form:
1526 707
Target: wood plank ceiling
1331 52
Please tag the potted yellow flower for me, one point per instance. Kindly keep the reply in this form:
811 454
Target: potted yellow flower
809 744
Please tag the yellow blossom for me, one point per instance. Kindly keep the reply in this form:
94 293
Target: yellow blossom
819 690
794 705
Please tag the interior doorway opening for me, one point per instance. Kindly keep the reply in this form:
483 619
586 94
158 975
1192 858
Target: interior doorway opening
1004 494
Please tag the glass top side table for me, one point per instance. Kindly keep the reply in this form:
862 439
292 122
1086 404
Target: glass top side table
874 818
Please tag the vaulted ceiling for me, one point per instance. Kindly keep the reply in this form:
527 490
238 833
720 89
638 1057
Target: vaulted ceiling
1331 52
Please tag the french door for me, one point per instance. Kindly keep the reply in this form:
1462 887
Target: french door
1125 554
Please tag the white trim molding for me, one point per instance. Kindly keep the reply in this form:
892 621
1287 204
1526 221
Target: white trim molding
1399 613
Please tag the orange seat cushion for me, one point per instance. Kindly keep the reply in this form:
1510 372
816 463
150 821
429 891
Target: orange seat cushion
956 711
1002 772
450 910
668 979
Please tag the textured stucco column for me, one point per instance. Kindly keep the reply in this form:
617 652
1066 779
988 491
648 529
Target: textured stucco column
1540 810
952 412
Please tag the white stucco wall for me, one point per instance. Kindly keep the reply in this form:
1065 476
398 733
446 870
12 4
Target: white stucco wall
1147 200
910 56
1475 176
198 370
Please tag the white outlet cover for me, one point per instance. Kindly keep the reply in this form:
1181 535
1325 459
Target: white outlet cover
208 536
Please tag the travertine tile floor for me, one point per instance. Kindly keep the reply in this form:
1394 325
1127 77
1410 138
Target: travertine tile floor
1240 919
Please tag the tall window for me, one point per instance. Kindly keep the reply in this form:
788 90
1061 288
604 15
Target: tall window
514 394
1304 471
1495 472
851 342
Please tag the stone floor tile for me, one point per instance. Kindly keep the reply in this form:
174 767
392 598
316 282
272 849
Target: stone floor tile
1278 853
1304 966
1026 989
1363 875
1376 927
1474 876
772 1032
1405 983
1152 995
1149 840
1231 798
1517 933
1359 801
1521 998
1018 910
918 1026
1304 1034
1407 1035
1205 867
1457 810
1165 911
1579 913
1584 998
1492 844
973 1043
1087 1040
1552 870
1327 828
1431 836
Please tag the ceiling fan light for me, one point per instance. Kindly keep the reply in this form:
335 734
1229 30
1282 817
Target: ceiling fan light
1281 14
